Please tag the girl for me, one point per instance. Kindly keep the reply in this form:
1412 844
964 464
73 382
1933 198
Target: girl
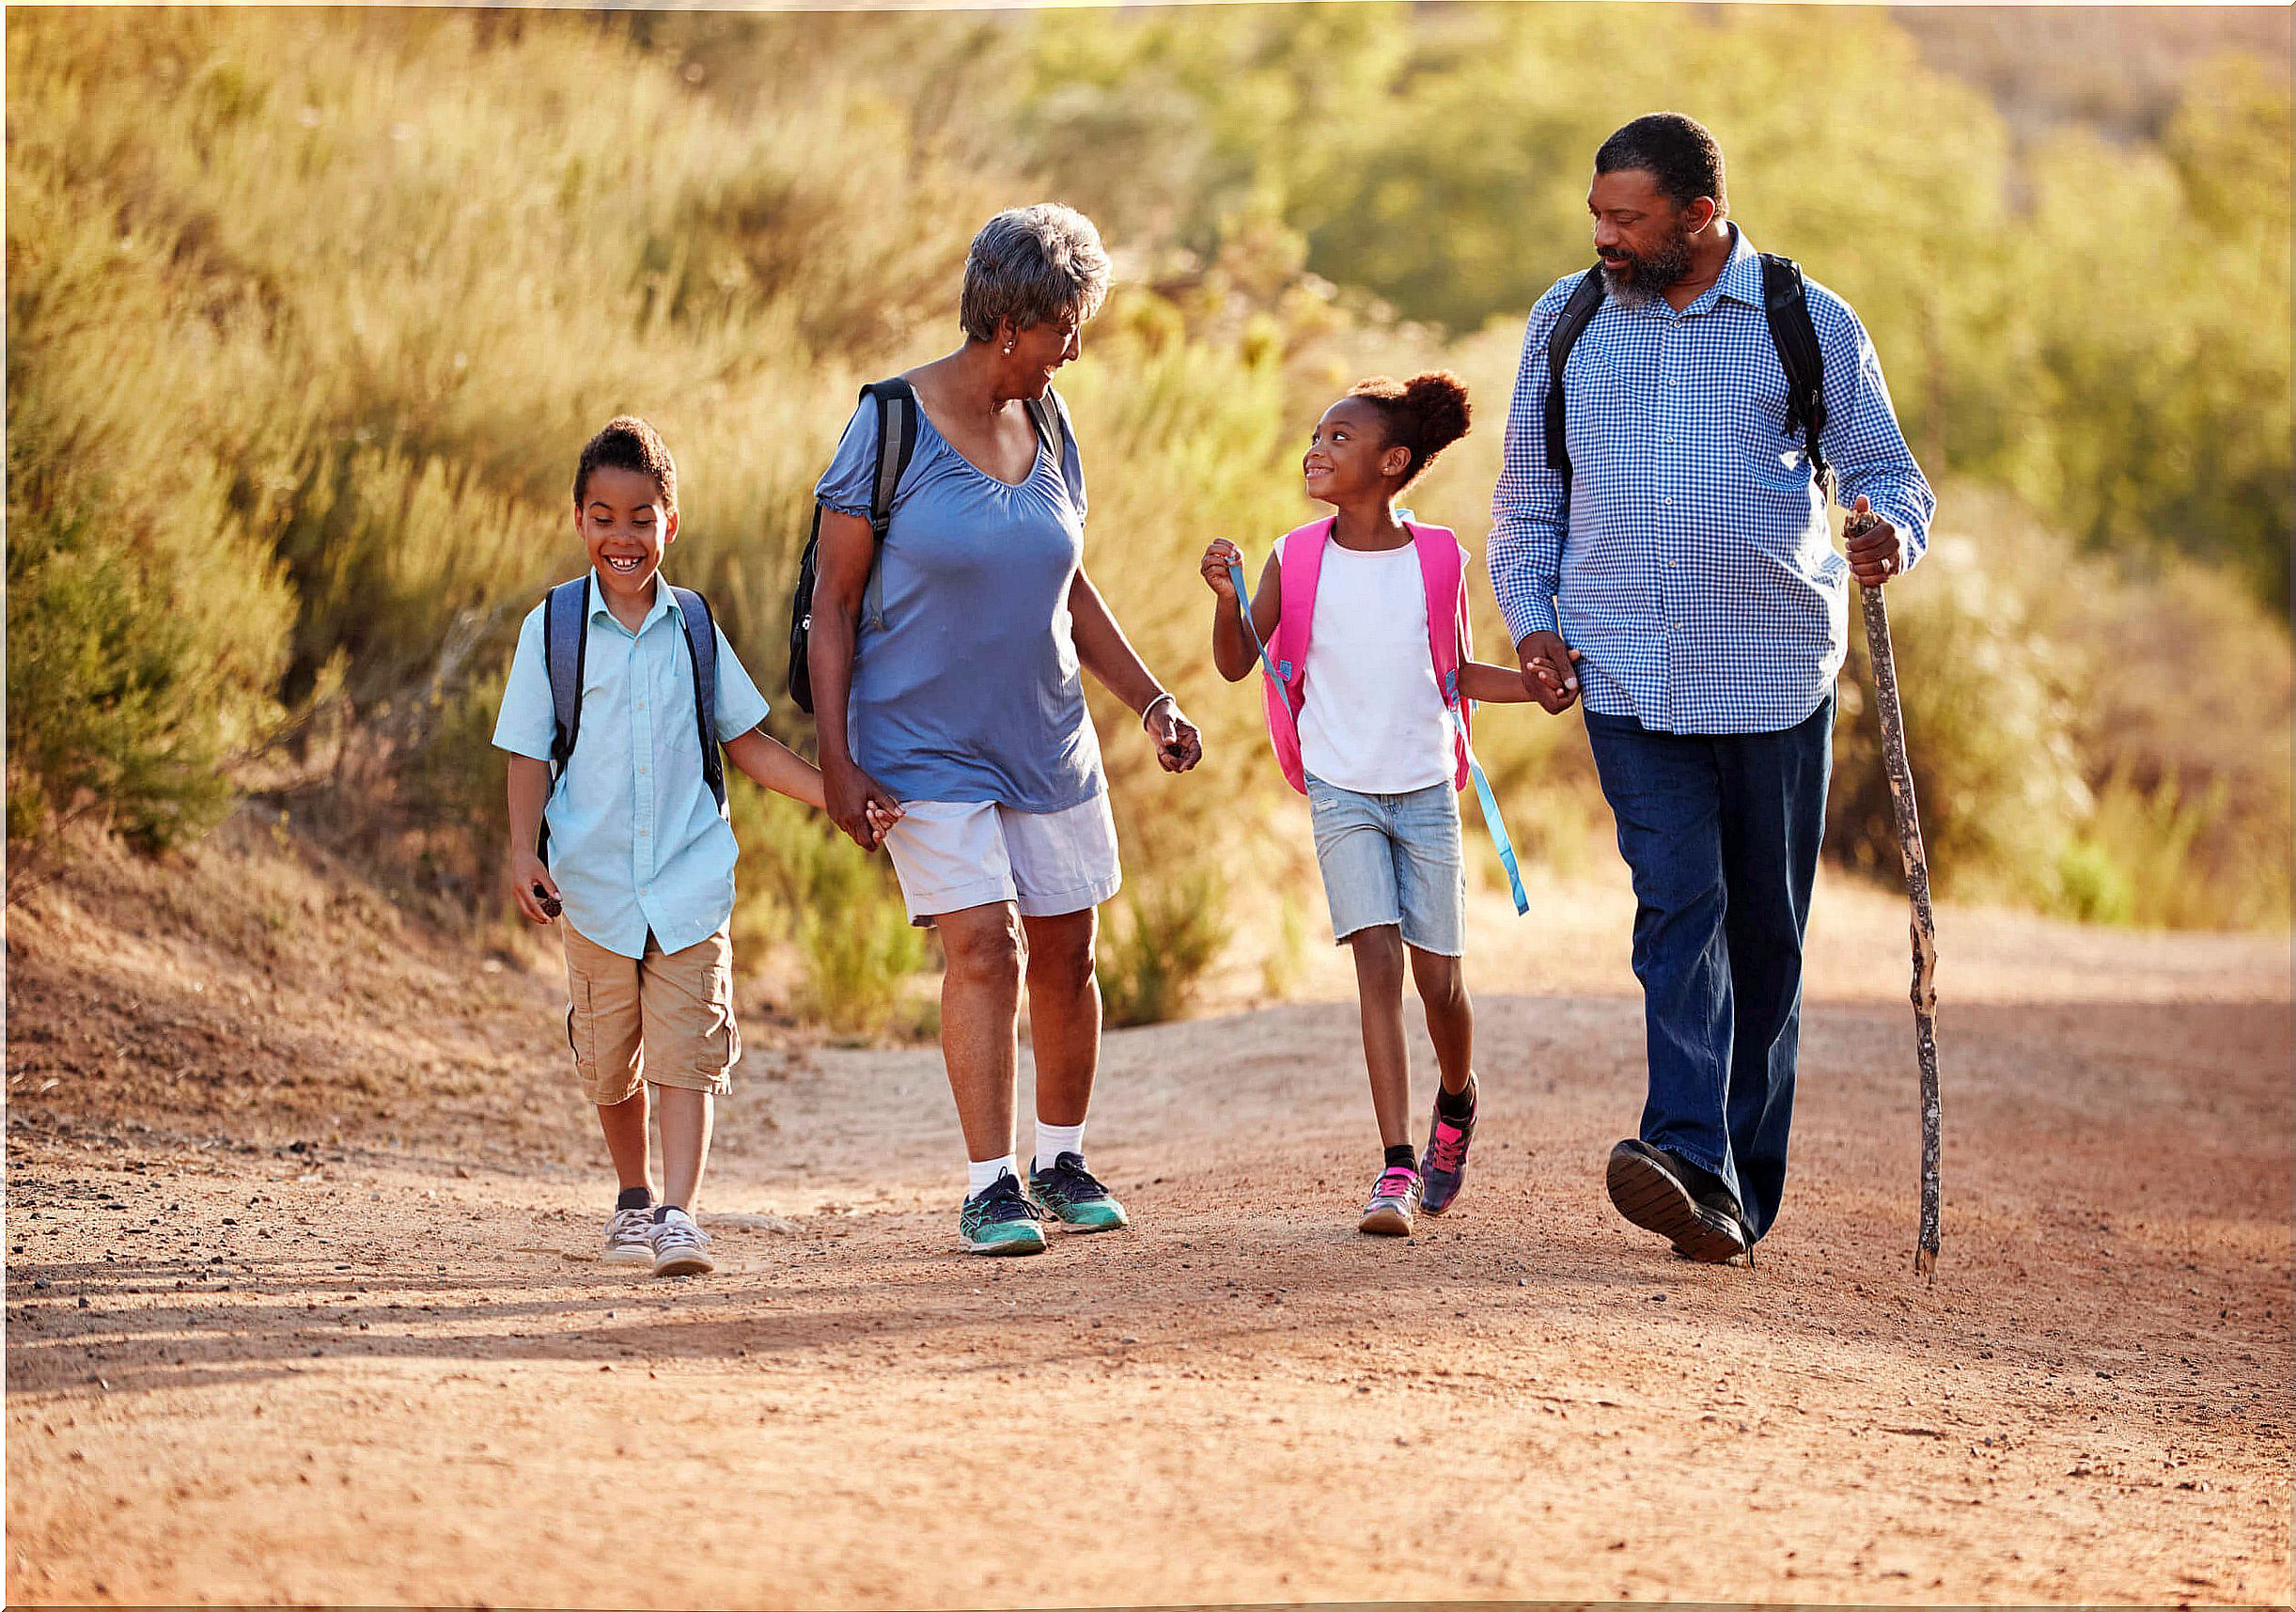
1377 626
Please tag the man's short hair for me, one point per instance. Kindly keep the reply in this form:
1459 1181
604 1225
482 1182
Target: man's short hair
1032 265
1675 150
627 442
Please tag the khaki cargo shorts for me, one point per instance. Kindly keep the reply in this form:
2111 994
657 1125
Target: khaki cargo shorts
665 1018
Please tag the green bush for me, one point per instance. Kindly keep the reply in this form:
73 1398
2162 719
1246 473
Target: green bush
1171 933
1988 734
2133 861
308 313
101 712
801 883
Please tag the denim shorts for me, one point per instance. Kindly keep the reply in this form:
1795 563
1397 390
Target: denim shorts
1392 859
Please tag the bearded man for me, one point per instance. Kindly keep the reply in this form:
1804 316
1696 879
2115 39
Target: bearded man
1661 547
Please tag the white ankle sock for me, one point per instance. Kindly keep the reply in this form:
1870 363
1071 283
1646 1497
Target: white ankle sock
979 1173
1054 1140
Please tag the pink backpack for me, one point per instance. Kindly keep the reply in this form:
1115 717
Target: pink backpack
1442 568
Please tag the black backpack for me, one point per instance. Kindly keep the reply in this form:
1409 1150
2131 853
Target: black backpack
566 644
1784 306
896 441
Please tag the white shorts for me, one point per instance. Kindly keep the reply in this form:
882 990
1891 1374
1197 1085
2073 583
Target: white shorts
953 854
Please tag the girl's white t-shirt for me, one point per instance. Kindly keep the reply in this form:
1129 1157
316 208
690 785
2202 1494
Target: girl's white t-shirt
1372 717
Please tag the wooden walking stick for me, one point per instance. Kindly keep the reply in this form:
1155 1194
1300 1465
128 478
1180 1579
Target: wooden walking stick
1917 862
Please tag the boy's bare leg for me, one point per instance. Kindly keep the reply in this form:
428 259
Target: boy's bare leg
624 1124
686 1118
981 1005
1451 1016
1378 988
1063 1014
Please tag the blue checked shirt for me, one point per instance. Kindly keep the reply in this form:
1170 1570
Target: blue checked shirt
1693 568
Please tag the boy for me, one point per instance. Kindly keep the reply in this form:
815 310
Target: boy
641 855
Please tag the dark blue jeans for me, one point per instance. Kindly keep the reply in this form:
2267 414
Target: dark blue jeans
1721 831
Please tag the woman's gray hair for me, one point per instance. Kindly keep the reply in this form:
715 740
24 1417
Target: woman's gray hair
1031 265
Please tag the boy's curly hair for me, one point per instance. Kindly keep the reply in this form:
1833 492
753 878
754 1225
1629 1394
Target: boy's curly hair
1425 413
627 442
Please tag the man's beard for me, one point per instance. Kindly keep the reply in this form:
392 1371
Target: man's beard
1644 277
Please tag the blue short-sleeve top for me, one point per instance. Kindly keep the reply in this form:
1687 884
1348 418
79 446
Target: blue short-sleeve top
966 684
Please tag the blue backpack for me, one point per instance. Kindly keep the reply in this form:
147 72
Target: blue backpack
566 639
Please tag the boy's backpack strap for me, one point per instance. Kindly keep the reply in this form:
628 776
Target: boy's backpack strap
896 443
701 650
566 640
1578 313
1786 307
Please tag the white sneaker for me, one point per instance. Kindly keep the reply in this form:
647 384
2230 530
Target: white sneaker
630 1238
680 1248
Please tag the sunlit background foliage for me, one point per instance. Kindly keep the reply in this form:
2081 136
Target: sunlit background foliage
308 312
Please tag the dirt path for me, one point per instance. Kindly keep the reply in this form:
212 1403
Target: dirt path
354 1372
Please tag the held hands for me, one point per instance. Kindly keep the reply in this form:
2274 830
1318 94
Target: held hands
1549 671
1217 559
532 888
858 804
1872 542
1178 744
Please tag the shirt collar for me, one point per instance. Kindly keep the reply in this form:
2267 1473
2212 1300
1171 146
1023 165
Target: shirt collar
665 603
1742 276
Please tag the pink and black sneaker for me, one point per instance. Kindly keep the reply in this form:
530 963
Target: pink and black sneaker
1395 1200
1444 1166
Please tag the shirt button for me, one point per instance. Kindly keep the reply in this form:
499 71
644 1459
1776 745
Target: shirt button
1665 500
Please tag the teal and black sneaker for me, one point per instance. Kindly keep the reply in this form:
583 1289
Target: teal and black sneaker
1071 1195
1001 1218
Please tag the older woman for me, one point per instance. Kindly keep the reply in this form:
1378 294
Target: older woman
951 684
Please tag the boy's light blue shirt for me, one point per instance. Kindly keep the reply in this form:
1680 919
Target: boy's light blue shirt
636 840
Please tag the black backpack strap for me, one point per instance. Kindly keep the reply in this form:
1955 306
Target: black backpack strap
896 443
701 651
1786 305
1578 313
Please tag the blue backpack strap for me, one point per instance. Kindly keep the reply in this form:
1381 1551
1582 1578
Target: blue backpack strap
1492 823
566 639
701 650
1243 604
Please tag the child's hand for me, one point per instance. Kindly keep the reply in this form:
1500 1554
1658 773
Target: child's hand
1217 559
1549 671
534 889
881 819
